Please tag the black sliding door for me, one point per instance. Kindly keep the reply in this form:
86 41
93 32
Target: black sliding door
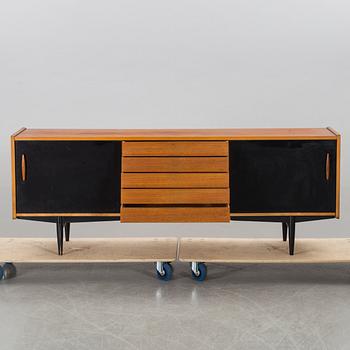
283 176
68 176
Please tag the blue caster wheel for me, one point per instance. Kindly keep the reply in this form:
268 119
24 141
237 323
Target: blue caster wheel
164 271
199 271
9 270
1 272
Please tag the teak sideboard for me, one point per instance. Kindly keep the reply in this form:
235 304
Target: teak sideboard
184 175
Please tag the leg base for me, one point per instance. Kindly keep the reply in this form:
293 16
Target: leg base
291 237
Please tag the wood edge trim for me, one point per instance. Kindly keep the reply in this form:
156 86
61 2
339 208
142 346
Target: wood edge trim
67 214
337 186
13 178
213 139
159 205
175 138
231 214
337 203
18 132
13 171
333 131
285 214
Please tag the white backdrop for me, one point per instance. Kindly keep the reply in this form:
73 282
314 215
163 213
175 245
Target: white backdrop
174 64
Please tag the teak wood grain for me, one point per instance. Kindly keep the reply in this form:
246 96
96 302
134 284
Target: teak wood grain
175 148
175 196
178 134
175 180
337 208
175 164
175 214
13 170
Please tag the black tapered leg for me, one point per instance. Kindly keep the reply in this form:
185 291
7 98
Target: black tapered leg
59 229
284 230
291 237
67 230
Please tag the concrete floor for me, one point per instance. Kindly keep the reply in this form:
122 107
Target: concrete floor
124 306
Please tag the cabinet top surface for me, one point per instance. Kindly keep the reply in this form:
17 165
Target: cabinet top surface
176 134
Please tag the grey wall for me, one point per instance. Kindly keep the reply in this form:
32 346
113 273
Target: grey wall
173 64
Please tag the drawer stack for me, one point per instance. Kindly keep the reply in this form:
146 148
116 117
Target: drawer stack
175 181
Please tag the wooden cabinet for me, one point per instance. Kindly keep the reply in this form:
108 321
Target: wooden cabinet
283 175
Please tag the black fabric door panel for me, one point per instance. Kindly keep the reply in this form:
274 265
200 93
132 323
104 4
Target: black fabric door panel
68 176
282 176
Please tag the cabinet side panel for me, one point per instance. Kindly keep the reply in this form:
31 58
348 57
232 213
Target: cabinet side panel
338 177
13 176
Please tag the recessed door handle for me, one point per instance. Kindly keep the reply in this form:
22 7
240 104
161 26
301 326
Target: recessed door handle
328 166
24 168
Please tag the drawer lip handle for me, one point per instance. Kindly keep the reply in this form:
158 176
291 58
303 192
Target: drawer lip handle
328 171
23 168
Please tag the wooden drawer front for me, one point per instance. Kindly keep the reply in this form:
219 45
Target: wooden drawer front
176 148
175 180
175 214
175 164
175 196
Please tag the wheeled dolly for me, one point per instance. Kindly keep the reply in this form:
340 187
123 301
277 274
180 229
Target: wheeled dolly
161 251
255 251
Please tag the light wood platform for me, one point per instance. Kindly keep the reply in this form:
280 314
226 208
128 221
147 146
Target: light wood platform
236 250
97 250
